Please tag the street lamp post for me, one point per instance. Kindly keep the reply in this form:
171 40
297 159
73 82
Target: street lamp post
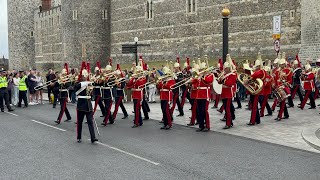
225 39
136 39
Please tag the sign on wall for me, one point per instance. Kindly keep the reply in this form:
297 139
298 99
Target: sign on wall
276 24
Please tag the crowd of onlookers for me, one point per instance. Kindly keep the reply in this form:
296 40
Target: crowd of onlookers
34 79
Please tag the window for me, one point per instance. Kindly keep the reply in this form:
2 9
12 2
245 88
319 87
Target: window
74 15
31 33
191 6
149 9
104 14
292 14
58 20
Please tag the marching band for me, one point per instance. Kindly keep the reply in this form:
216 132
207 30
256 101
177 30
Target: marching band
199 84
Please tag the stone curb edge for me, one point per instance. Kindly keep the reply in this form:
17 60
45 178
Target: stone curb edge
309 136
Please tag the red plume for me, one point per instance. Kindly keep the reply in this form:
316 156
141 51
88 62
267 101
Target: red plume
221 64
140 57
66 67
83 66
188 61
99 66
118 68
178 59
299 63
234 63
110 62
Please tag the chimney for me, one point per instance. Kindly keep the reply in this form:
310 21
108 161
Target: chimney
46 5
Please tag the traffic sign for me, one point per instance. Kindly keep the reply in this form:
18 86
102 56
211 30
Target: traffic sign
277 45
276 24
276 36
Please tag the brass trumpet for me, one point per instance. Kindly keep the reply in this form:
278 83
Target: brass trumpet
116 82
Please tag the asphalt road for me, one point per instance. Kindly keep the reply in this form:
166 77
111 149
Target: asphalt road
31 150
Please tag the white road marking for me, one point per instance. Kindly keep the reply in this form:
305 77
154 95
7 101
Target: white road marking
127 153
12 114
48 125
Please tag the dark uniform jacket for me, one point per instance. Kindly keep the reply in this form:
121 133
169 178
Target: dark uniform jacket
296 76
83 103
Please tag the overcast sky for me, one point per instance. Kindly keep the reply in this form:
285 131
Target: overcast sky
3 29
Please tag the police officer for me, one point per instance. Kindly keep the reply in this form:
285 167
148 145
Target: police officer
23 89
178 77
4 91
84 106
296 81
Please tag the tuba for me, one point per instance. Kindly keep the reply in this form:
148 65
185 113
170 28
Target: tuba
253 86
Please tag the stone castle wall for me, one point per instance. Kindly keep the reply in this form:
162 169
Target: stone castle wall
73 31
20 31
310 30
173 31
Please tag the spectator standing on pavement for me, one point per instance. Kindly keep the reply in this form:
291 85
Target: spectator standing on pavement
10 87
32 82
40 91
15 89
50 76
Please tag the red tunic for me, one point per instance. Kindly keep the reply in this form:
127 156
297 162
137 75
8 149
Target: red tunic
137 86
309 81
165 89
267 84
261 74
203 86
228 85
193 89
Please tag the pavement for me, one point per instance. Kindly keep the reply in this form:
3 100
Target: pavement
34 147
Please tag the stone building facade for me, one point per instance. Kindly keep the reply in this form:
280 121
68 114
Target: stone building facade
194 27
20 31
75 30
310 30
72 31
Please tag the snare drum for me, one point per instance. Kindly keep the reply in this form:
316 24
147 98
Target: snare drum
280 94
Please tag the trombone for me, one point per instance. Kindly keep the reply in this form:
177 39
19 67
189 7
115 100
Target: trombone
116 82
181 83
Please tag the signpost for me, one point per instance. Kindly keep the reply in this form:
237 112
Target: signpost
132 48
276 33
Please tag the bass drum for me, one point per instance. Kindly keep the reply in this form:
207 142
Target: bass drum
280 94
216 86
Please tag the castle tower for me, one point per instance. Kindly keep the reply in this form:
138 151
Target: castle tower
310 28
72 31
20 30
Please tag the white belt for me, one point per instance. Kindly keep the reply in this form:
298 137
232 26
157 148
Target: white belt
206 88
105 87
164 90
119 89
97 87
63 90
136 89
84 97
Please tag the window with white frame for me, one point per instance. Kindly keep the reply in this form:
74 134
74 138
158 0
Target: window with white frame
191 6
149 9
74 15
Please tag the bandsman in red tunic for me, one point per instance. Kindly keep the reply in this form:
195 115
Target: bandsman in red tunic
254 99
228 82
283 80
203 85
193 95
309 87
166 95
274 74
267 90
137 84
